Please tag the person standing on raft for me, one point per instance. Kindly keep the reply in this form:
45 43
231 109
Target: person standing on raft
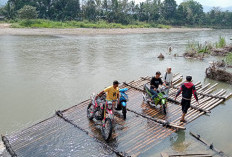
168 79
188 89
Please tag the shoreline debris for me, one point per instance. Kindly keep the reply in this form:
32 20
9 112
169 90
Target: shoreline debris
216 73
161 56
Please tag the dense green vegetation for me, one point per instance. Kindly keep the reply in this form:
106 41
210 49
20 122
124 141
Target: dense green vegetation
221 43
124 12
196 47
41 23
207 47
229 58
197 50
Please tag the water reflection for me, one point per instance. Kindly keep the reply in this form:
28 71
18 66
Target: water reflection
178 142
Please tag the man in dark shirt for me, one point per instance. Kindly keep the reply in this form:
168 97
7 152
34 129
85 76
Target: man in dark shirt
187 90
154 84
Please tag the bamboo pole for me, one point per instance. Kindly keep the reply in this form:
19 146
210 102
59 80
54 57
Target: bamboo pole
194 112
207 105
191 109
198 137
153 130
163 122
141 137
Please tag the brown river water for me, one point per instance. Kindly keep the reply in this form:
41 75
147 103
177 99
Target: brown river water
42 74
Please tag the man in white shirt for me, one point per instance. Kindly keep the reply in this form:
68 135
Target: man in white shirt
168 77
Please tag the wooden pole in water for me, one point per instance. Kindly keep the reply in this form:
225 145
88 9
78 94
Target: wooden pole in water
198 137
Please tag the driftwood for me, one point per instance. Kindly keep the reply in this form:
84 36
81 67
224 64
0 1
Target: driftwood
213 72
198 137
194 55
221 63
221 51
161 56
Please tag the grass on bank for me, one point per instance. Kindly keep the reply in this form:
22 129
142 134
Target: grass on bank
40 23
229 59
221 43
196 47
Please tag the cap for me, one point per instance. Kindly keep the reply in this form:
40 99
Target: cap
158 73
189 78
115 82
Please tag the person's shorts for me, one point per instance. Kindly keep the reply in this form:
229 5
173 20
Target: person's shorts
185 105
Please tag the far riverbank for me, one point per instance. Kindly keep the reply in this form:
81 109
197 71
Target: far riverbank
6 30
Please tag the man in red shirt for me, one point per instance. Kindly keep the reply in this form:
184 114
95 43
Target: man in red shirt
188 89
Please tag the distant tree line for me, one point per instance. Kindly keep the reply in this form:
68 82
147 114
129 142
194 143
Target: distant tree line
188 13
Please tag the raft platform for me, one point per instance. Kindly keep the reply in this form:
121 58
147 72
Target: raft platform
143 129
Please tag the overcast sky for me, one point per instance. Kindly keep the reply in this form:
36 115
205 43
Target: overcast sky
211 3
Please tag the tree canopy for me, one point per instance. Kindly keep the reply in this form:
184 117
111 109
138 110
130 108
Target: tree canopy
188 13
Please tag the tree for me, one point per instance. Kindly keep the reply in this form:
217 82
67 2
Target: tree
28 12
155 5
64 10
181 15
168 9
89 10
44 7
194 12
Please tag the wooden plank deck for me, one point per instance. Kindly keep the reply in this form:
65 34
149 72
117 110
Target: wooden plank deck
134 135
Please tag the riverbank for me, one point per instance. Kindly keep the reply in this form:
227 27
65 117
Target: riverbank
6 30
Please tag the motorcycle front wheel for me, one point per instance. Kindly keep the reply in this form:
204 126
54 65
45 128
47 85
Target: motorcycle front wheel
164 108
107 129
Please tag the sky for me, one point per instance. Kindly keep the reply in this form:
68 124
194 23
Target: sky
210 3
213 3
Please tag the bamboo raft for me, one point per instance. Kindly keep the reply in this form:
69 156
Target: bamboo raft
185 155
143 129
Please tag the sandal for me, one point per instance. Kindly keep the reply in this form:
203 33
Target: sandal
184 121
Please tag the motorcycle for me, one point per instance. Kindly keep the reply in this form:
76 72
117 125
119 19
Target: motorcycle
123 102
101 110
161 99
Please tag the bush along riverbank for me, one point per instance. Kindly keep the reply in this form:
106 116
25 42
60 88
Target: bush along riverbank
200 51
41 23
216 70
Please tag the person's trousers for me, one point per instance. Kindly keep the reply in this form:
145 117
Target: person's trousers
154 93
